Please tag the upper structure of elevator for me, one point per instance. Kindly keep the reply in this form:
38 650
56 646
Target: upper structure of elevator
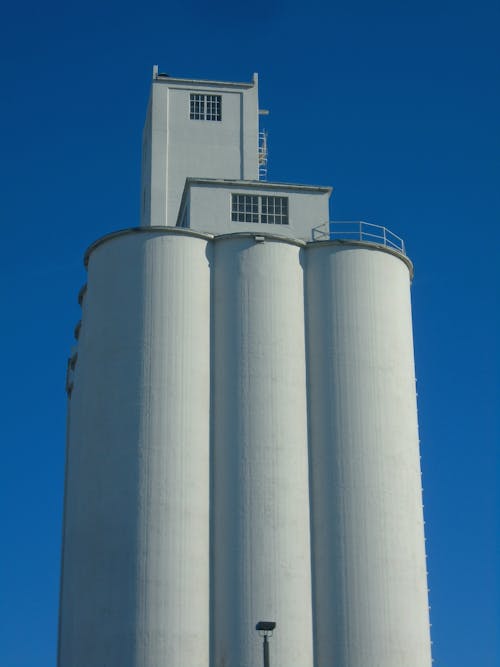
202 164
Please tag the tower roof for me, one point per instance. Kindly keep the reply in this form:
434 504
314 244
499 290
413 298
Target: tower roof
159 76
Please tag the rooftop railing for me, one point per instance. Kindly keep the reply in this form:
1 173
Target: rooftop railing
358 231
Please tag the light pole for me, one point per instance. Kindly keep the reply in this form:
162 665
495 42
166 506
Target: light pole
265 630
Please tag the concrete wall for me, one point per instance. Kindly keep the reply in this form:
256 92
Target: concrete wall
368 535
210 209
181 147
135 579
261 544
243 415
147 169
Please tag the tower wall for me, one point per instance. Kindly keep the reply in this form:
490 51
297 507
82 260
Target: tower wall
368 539
175 147
261 541
135 578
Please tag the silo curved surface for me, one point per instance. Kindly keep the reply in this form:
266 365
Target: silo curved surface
261 537
135 578
369 566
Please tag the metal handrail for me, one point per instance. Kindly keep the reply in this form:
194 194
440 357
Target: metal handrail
358 230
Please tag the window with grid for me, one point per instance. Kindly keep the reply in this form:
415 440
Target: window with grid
244 208
274 210
259 208
205 107
213 107
197 107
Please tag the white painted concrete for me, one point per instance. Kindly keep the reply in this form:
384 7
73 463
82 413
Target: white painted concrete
135 582
206 207
175 147
192 366
261 544
198 419
368 536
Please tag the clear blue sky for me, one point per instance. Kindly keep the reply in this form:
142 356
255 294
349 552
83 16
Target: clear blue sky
394 103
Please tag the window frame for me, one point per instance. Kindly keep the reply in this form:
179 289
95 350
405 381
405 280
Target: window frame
205 106
266 210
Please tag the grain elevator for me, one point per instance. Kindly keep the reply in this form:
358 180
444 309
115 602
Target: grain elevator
242 424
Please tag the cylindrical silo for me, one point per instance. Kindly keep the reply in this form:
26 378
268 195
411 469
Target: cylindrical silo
261 532
369 569
135 577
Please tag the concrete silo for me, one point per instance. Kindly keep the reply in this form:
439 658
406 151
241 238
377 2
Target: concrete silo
368 539
135 579
242 434
261 553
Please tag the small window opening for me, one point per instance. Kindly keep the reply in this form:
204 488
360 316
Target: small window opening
259 208
205 107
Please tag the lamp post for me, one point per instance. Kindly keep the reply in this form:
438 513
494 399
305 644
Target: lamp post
265 630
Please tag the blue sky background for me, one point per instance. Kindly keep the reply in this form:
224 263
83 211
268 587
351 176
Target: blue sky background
394 103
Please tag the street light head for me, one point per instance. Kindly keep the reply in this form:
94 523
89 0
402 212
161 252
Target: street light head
265 626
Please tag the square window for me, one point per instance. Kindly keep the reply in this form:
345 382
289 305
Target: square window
205 107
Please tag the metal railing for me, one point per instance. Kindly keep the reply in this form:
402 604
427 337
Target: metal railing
358 231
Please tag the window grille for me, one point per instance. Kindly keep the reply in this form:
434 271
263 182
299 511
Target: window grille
274 210
205 107
197 107
213 111
259 208
245 208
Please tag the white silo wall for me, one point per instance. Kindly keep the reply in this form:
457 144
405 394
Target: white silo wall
135 580
369 567
261 539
